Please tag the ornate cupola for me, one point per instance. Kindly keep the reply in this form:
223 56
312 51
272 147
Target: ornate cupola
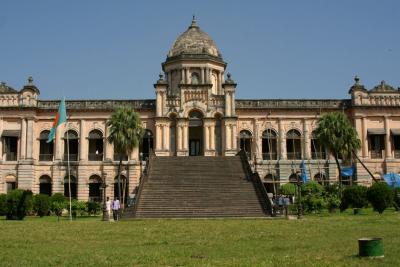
194 60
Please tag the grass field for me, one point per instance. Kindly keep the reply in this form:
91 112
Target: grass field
328 240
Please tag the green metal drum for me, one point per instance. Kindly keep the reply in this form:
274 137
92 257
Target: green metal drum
370 247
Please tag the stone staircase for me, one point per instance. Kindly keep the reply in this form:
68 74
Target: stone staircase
179 187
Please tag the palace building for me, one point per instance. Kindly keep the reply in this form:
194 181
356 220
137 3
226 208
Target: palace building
194 113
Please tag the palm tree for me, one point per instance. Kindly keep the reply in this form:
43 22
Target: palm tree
336 133
125 134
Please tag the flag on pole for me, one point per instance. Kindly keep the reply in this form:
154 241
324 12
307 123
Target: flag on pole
60 118
304 176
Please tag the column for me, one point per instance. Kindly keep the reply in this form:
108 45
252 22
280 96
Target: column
281 135
207 72
306 140
202 75
158 103
364 141
234 137
227 104
108 147
165 137
29 137
359 133
179 137
388 147
206 137
187 75
82 141
134 154
23 139
212 137
233 106
182 75
219 82
158 137
185 137
1 141
228 138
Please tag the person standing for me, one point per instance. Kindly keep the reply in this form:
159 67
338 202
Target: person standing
109 208
116 207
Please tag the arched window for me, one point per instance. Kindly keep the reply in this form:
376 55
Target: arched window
271 183
124 188
321 179
95 188
45 149
195 78
294 178
73 145
45 187
269 145
146 145
245 142
11 182
293 144
96 145
74 186
317 150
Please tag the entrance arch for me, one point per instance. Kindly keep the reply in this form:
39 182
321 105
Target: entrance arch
195 133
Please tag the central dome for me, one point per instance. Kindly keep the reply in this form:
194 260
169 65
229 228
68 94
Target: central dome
194 42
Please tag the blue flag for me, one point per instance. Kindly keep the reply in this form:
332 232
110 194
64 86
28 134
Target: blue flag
348 171
61 117
392 179
304 176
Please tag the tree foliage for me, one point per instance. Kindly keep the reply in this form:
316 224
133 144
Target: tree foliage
288 189
41 204
354 196
19 203
380 195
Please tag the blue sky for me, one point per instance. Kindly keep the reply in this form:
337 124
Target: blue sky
274 49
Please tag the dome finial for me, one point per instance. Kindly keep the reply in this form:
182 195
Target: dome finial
357 79
30 80
194 22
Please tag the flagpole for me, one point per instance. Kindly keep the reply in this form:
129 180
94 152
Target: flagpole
69 175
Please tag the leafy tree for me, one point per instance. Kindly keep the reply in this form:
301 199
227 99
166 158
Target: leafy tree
78 207
125 134
380 195
19 203
41 204
312 197
354 196
58 204
288 189
336 133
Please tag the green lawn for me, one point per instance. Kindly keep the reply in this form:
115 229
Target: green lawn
314 241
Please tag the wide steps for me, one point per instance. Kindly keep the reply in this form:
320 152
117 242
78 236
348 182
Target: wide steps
187 187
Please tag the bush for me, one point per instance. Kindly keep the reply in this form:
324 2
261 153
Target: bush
380 195
41 204
332 202
288 189
58 204
93 207
19 203
312 197
354 196
3 204
78 207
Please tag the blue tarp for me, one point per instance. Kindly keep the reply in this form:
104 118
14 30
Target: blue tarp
348 171
304 176
392 179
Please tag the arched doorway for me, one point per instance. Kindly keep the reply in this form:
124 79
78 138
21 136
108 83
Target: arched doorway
146 145
45 149
73 187
269 145
95 188
71 142
245 142
45 187
95 145
195 133
293 144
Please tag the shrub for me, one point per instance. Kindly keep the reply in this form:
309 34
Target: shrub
93 207
19 203
354 196
3 204
312 197
58 204
332 202
288 189
41 204
380 195
78 207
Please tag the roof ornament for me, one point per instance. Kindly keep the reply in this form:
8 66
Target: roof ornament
194 22
30 80
357 79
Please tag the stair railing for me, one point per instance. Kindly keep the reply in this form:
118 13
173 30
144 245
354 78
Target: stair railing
143 178
256 179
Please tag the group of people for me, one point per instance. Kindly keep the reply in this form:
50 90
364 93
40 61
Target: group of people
280 204
113 206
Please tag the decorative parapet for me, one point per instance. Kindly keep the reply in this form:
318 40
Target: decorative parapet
145 104
382 95
292 104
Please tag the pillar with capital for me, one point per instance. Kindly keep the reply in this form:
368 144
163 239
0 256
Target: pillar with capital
388 147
